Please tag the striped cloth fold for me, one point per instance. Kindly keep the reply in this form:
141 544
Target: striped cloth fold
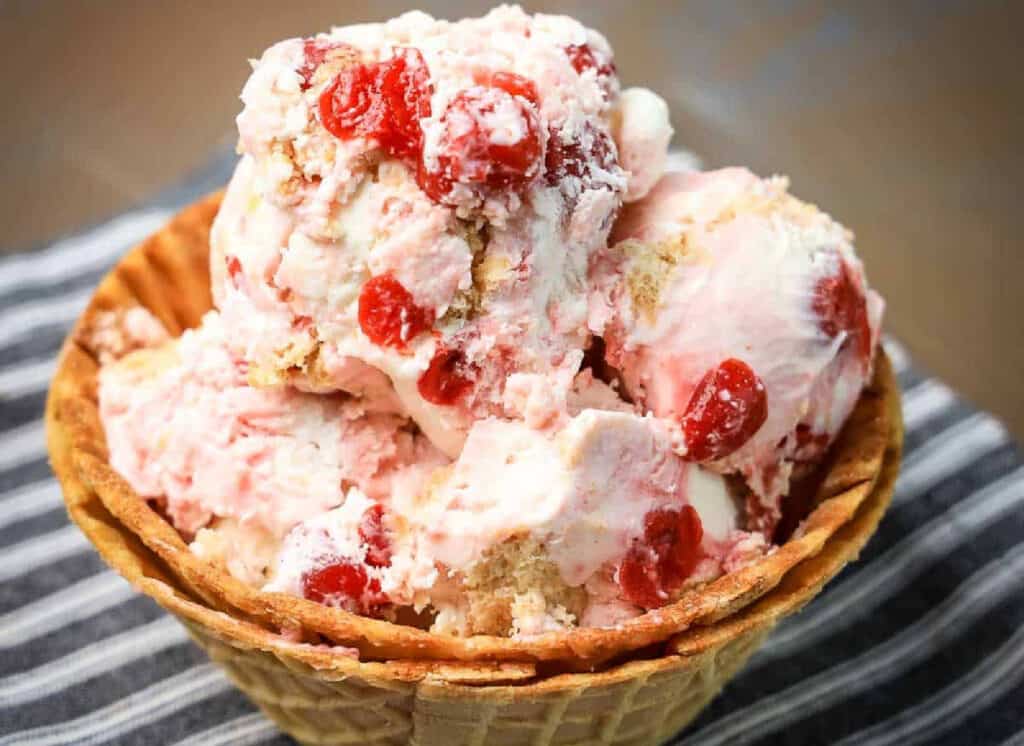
922 641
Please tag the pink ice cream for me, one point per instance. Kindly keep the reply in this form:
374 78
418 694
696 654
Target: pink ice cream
182 424
444 242
283 486
741 314
475 356
582 496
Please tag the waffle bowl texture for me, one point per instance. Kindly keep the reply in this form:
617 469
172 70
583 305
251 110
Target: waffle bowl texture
327 676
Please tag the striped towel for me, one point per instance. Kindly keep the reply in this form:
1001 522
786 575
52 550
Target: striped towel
922 641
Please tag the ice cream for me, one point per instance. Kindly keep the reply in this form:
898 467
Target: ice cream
740 313
424 198
183 425
477 362
319 496
526 520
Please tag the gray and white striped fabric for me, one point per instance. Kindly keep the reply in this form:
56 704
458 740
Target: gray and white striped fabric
922 641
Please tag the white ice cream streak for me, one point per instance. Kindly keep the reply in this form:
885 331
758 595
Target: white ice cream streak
18 322
81 600
91 661
39 551
887 574
30 501
990 679
26 378
135 711
242 731
972 599
91 251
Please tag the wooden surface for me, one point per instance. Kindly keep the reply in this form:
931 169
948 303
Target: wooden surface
903 119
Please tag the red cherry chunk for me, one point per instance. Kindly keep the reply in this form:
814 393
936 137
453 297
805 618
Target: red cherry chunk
658 565
371 531
447 378
342 583
406 90
350 105
578 157
340 578
234 268
638 578
675 537
841 307
726 409
476 145
383 100
388 313
512 83
314 54
435 184
583 58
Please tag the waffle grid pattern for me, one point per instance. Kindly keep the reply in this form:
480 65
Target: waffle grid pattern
643 709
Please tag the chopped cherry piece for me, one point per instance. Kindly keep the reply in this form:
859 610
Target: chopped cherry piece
517 85
447 377
314 53
340 578
576 158
668 554
638 578
313 56
371 531
473 152
728 406
841 307
675 538
343 583
435 184
583 58
350 106
388 313
384 100
405 86
234 267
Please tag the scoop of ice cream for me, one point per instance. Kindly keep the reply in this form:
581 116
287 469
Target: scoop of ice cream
424 198
512 535
741 315
643 133
183 424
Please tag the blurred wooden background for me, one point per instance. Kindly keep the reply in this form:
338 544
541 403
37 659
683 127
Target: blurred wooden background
903 119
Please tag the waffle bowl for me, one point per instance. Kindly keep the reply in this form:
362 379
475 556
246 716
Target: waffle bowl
334 677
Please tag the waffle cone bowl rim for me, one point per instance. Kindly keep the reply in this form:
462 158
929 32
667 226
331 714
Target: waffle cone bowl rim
168 273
